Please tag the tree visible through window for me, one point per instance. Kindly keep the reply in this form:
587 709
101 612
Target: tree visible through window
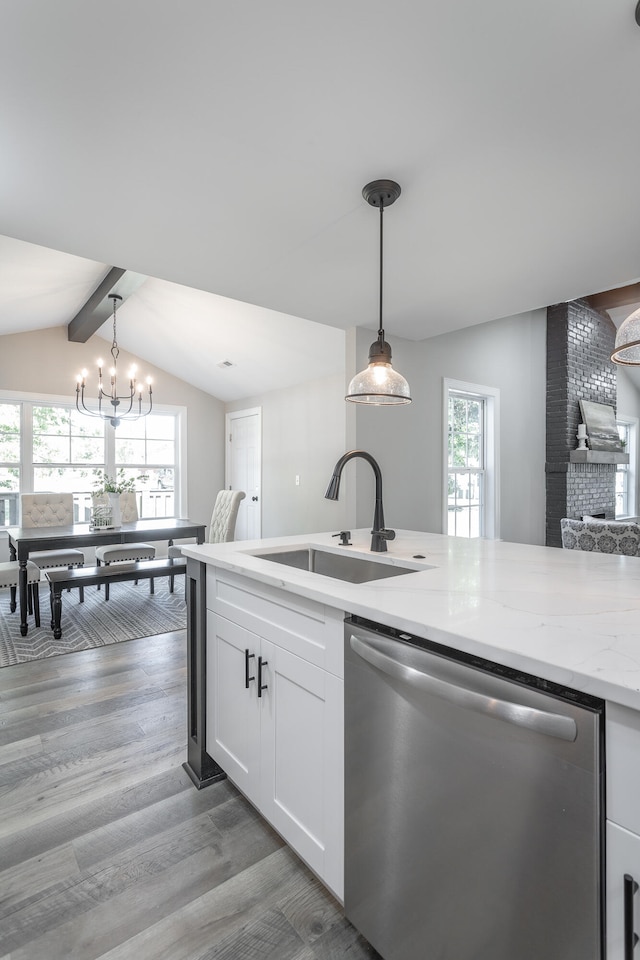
9 462
466 465
52 447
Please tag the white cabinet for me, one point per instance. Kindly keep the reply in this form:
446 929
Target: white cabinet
275 713
623 830
623 876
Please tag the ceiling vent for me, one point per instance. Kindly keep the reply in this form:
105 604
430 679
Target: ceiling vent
223 364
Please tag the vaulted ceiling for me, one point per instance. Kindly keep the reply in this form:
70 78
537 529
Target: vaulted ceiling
221 149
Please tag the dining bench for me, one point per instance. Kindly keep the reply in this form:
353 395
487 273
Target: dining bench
60 580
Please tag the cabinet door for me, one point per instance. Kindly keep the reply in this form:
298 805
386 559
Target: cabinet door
623 861
233 720
302 760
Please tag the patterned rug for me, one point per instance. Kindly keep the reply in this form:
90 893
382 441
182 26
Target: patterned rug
130 612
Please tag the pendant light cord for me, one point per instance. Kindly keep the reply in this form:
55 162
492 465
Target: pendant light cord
380 330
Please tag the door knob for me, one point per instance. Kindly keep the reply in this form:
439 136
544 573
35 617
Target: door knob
254 498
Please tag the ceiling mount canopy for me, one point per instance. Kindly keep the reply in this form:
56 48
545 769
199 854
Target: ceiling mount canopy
380 383
110 395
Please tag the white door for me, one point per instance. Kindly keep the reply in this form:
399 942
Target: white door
244 469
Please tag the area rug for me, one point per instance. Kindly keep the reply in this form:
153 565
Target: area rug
129 613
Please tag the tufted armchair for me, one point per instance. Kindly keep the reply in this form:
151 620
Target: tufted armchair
50 510
601 536
222 527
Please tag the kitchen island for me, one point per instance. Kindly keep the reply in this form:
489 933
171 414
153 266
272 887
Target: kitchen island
565 616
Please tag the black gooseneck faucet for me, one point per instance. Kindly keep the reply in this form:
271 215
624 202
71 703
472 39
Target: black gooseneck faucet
379 534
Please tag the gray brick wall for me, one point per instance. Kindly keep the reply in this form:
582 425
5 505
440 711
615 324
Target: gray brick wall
579 345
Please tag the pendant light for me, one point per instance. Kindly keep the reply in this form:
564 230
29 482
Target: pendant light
627 345
379 383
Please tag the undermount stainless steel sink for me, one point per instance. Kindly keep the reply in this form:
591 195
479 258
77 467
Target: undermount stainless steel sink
339 566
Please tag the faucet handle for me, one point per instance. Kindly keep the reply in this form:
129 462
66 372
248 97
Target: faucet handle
386 534
344 537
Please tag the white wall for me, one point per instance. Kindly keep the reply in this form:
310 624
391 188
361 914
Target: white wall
407 440
303 434
45 362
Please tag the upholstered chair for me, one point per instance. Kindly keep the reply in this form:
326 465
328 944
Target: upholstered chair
601 536
9 576
51 510
119 552
222 527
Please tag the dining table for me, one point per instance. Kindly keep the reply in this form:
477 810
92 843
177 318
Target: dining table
25 540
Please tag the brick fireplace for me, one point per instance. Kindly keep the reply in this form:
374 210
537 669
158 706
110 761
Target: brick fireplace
579 344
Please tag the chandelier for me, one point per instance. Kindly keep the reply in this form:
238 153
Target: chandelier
117 406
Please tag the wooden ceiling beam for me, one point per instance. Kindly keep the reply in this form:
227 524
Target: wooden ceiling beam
620 297
98 308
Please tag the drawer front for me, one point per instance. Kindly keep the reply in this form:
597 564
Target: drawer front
623 766
304 627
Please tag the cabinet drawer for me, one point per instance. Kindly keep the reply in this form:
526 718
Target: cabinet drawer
303 627
623 766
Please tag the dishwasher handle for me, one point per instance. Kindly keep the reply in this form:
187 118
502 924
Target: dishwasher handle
540 721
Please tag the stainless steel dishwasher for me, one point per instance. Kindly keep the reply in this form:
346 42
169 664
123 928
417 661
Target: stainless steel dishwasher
473 806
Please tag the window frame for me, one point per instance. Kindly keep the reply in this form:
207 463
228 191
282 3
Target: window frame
28 400
490 511
630 469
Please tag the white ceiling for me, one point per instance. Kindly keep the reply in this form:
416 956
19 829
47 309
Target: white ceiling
223 147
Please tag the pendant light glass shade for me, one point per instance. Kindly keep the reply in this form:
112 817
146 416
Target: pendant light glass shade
627 346
379 383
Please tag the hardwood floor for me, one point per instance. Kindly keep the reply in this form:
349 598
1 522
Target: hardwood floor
107 850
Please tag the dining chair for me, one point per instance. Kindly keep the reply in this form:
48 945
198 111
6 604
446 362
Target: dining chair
119 552
50 510
9 576
222 526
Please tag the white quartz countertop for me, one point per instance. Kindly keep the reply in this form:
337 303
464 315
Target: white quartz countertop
565 615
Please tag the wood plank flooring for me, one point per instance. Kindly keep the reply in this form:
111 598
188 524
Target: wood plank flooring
108 851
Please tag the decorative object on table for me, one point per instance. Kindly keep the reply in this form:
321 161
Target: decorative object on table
110 495
380 383
120 495
129 614
581 436
600 421
132 400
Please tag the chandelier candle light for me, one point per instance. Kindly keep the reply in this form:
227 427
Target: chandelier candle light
111 396
379 383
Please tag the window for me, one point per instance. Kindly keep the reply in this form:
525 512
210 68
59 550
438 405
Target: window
147 448
45 444
626 472
9 463
470 501
67 450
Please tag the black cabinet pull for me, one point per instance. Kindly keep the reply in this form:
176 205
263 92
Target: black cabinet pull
247 656
630 937
261 686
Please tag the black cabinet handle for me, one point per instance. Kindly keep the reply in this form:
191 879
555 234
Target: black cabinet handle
630 937
247 656
254 499
261 686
